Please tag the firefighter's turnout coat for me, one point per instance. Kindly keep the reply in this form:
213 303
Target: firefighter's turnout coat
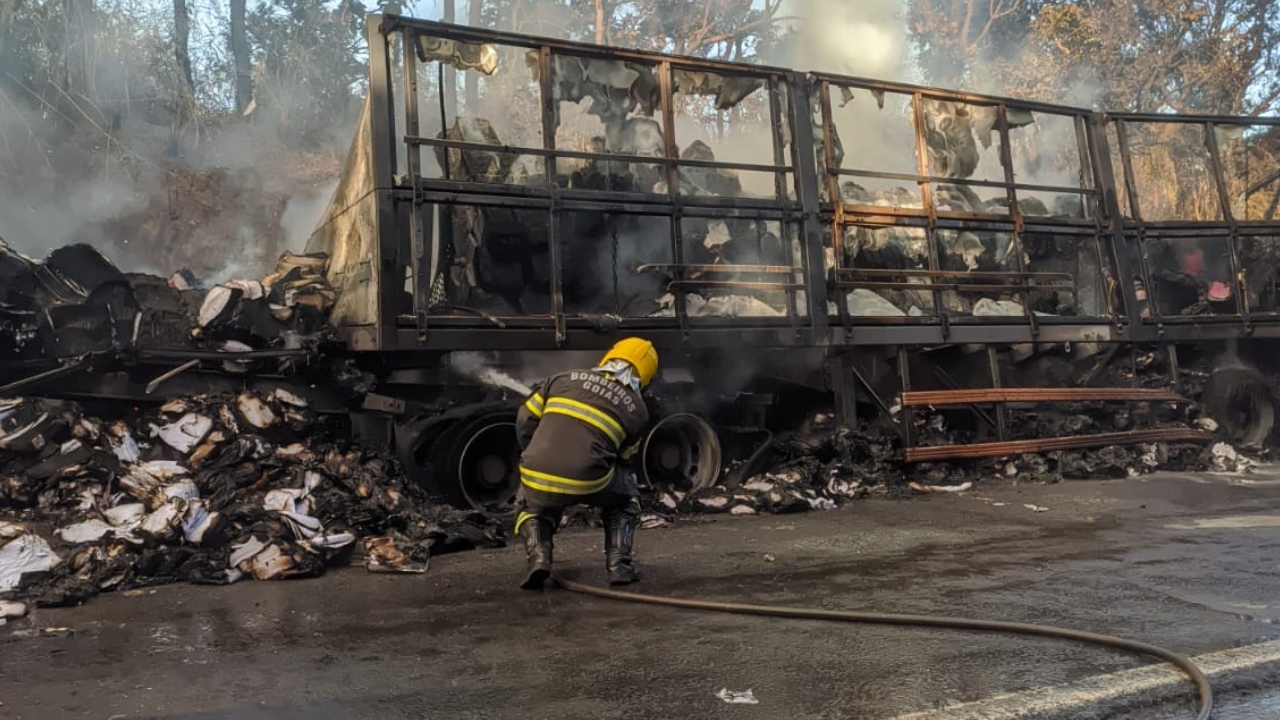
574 429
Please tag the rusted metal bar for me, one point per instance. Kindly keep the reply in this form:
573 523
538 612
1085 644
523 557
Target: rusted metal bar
695 267
419 263
414 140
165 355
975 274
67 369
947 286
1077 442
1196 228
730 284
528 333
1193 119
909 177
871 391
1092 153
1233 230
926 195
860 216
809 226
777 127
549 127
1138 242
860 83
385 261
604 200
950 382
905 417
154 384
666 98
831 180
1002 420
660 208
1026 394
1015 214
481 35
1175 374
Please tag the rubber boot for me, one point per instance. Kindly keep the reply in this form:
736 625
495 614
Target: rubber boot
619 533
536 533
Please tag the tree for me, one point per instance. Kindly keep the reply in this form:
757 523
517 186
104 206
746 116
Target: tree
956 36
1212 56
240 62
310 64
78 45
182 48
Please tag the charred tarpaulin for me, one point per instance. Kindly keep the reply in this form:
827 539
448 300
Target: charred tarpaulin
207 490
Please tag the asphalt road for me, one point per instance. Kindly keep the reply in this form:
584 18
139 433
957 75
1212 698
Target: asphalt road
1188 562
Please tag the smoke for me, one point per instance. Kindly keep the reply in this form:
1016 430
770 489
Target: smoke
302 213
124 162
865 39
477 367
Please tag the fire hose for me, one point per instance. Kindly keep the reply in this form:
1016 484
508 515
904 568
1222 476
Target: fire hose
1183 663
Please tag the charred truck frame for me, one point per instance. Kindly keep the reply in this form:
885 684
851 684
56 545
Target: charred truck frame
572 196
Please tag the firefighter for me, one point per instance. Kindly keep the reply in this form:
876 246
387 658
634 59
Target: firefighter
578 432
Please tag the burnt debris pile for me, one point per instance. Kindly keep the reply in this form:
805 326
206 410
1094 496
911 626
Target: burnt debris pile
77 302
818 469
207 490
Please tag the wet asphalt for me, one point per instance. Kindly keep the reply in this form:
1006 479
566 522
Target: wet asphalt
1189 562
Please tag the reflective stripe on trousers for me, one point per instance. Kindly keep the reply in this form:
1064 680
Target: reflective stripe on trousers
546 482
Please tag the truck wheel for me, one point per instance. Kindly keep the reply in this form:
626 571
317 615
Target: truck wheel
1242 402
484 463
681 451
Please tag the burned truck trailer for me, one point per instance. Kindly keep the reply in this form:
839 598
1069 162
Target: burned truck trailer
891 246
932 264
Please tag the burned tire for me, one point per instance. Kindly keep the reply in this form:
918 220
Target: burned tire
467 456
1242 402
681 451
484 463
415 445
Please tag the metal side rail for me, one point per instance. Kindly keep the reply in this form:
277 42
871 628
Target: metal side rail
967 396
1075 442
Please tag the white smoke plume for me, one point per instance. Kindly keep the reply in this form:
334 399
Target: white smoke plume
475 366
866 39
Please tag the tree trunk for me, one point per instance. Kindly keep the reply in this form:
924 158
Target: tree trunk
240 56
472 77
77 46
182 44
7 9
601 26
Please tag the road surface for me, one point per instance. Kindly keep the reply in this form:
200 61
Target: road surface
1184 561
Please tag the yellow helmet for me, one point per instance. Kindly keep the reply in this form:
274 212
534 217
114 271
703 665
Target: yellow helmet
640 353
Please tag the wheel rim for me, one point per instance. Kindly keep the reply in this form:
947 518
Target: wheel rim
682 451
489 467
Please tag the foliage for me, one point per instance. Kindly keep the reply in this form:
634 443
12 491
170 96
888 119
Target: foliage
1202 56
308 62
